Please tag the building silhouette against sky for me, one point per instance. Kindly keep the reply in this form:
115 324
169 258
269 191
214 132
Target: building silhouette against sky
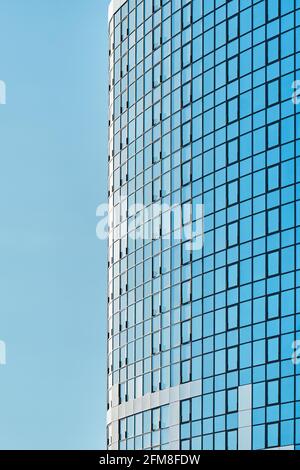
204 329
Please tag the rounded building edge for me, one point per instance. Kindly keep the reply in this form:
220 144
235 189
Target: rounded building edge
113 7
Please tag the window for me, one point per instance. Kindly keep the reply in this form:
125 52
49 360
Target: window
233 28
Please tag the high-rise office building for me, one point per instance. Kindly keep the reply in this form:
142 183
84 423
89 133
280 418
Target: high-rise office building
204 331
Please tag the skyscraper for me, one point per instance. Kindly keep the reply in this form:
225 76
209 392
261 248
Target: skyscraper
204 329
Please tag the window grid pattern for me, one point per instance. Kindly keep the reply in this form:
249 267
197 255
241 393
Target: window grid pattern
201 113
146 430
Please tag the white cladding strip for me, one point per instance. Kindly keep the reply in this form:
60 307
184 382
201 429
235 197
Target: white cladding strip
245 417
113 7
173 396
154 400
282 448
170 396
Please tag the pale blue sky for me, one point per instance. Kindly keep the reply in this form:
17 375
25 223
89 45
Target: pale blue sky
53 153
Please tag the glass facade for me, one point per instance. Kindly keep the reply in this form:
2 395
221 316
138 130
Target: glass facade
203 342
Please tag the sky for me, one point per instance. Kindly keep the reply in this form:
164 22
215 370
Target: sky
53 175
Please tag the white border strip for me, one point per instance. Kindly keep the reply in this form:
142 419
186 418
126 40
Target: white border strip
154 400
170 396
113 7
282 448
245 417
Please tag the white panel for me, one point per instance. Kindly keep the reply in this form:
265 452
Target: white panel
185 391
174 445
165 397
147 402
174 433
171 396
114 414
245 397
174 393
129 408
115 432
138 405
122 411
282 448
174 413
245 417
114 7
196 388
155 400
244 436
115 395
109 416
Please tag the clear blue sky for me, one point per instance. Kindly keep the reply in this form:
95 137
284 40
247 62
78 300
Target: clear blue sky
53 153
